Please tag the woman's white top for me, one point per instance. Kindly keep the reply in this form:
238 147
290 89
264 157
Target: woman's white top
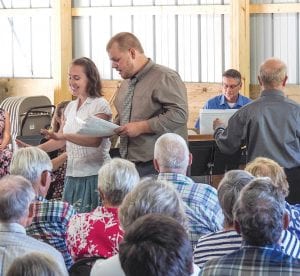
85 161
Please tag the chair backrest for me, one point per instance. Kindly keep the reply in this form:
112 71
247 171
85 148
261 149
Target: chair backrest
82 267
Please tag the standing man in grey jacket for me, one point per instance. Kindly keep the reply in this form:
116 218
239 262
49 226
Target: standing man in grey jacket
269 126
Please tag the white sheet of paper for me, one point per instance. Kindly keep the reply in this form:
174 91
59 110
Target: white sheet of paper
207 116
94 126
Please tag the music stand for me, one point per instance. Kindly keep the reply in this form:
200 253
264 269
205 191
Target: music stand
224 162
202 152
208 160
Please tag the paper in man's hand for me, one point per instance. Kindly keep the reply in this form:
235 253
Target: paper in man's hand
94 126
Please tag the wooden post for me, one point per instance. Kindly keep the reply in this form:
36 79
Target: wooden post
62 45
240 40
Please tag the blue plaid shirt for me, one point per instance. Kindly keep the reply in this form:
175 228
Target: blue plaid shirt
202 205
50 223
253 260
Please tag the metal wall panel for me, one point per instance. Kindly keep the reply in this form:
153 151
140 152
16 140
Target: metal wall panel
27 48
275 35
197 46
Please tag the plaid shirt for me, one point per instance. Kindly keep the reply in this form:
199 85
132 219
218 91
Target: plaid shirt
253 260
201 204
50 223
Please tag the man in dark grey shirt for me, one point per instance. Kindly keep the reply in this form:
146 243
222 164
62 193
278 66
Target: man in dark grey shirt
158 104
269 126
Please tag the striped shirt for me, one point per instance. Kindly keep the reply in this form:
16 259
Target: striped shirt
202 205
224 242
294 214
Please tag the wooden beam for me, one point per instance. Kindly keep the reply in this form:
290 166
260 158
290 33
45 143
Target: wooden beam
62 32
240 41
153 10
275 8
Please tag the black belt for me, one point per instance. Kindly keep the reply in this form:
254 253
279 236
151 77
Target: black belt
140 163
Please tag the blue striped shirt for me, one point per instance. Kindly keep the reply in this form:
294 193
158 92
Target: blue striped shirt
224 242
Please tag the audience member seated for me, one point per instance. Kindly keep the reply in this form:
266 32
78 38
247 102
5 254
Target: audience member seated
230 97
156 245
98 233
225 241
148 197
171 160
262 166
17 211
260 217
34 264
51 217
5 136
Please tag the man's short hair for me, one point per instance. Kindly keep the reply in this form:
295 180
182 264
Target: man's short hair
125 42
30 162
156 245
116 178
272 72
171 151
16 194
259 212
229 190
151 196
232 73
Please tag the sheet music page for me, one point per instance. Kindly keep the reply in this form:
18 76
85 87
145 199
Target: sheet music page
94 126
207 116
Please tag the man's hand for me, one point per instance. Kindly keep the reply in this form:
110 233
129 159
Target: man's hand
133 129
218 123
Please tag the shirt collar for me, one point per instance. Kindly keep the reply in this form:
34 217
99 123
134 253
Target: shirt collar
12 227
268 246
40 198
88 100
144 70
270 92
175 177
239 102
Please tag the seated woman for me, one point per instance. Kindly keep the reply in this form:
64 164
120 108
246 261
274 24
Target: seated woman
262 166
5 152
98 233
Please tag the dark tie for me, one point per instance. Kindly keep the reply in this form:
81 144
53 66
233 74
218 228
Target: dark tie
125 115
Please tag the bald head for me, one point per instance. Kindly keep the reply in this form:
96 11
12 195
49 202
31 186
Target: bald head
273 73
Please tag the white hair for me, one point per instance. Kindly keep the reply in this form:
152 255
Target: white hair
152 196
16 194
116 178
30 162
171 152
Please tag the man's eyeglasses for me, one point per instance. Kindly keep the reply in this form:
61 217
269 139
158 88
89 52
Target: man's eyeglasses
52 175
225 86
